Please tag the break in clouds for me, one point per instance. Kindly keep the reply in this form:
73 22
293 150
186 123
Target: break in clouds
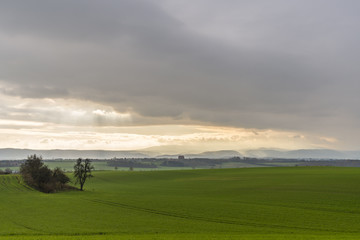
285 65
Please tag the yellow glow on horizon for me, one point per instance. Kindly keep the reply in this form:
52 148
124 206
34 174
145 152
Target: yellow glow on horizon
20 123
189 138
77 124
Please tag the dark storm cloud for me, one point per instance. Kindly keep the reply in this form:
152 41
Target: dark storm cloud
294 65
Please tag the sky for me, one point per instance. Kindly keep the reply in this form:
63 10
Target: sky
196 75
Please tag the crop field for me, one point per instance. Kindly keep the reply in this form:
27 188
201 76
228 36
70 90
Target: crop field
248 203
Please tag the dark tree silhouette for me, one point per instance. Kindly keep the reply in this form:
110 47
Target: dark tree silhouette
82 171
60 176
39 176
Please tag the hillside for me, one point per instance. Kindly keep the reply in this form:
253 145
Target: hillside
12 184
302 154
257 203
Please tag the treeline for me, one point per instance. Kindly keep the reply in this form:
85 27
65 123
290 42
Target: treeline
331 163
6 171
165 162
131 163
197 162
11 163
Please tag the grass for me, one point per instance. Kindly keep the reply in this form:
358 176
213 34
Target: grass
247 203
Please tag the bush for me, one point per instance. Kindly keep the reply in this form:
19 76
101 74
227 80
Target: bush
40 177
60 176
7 171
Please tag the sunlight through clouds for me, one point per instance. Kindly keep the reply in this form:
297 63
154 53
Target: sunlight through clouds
201 74
75 124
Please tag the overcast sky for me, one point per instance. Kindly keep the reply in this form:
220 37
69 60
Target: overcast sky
204 74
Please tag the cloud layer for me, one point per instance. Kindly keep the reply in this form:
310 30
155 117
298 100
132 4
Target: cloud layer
288 66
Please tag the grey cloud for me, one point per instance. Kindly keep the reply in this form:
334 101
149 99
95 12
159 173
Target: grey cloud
299 73
85 20
36 92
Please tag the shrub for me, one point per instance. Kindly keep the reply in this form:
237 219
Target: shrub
60 176
7 171
40 177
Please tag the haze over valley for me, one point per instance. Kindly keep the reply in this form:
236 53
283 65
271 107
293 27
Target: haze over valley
173 119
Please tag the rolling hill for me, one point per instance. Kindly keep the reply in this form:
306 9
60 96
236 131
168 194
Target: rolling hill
257 203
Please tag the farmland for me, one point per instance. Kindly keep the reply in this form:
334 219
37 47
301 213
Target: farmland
248 203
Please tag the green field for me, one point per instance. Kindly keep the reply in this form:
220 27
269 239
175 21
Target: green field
247 203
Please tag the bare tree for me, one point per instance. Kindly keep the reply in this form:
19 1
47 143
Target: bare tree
82 171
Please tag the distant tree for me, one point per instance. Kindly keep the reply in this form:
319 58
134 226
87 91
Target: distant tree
44 176
30 170
39 176
7 171
60 176
82 171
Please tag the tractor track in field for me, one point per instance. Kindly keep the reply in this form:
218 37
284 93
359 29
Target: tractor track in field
211 220
13 184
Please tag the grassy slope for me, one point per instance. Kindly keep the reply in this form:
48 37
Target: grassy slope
258 203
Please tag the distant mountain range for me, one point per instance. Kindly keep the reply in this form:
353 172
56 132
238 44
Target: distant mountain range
213 154
303 154
19 154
